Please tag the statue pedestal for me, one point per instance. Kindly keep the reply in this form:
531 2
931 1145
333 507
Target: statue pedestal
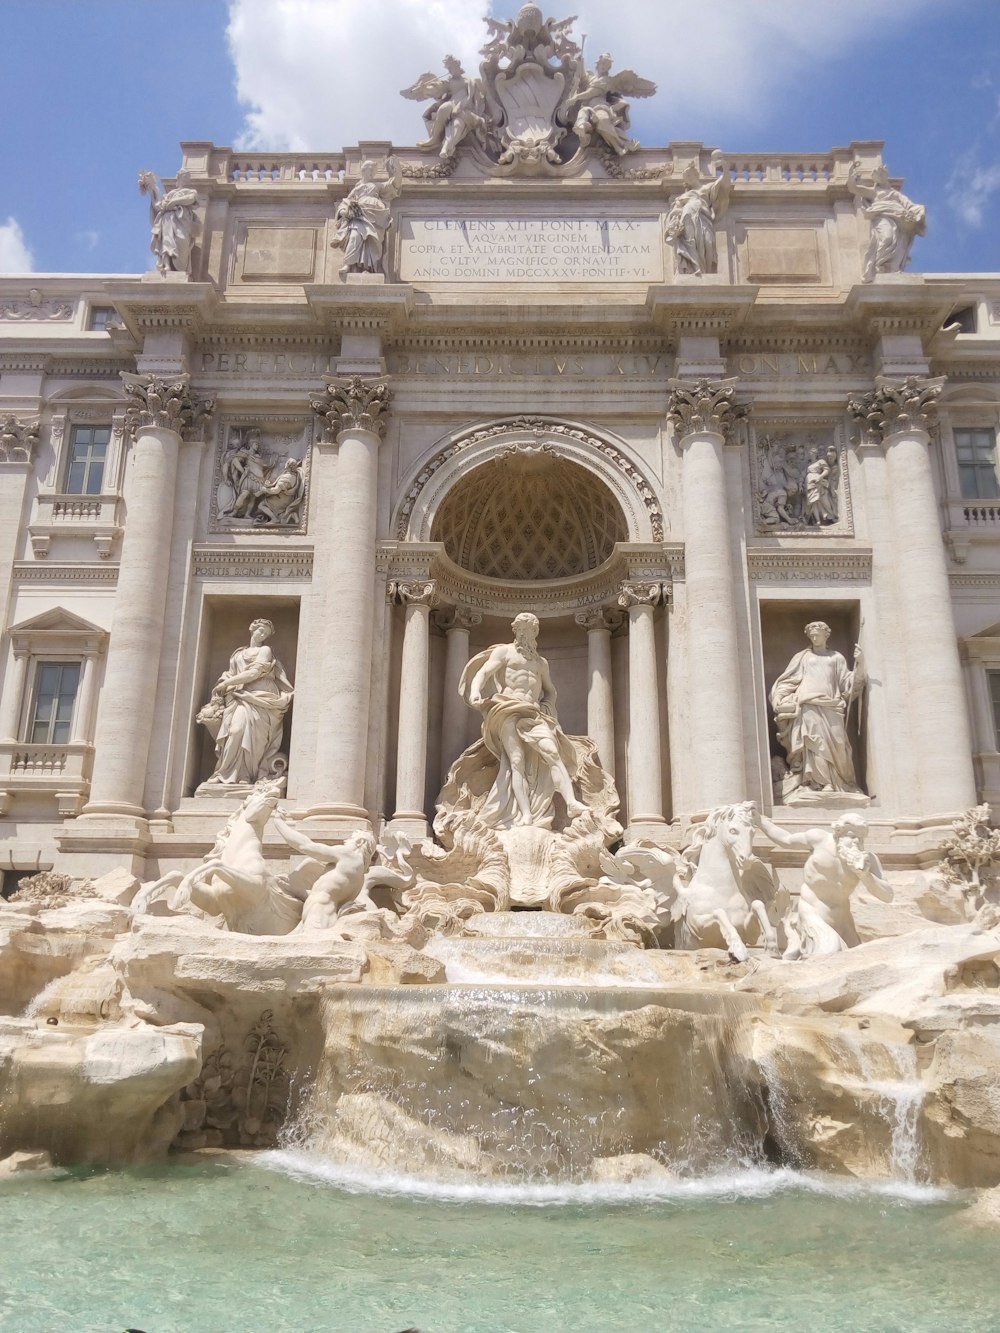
826 800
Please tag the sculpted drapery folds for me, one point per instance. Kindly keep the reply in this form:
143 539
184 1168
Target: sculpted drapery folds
810 700
690 223
895 221
362 219
456 110
511 686
173 221
246 712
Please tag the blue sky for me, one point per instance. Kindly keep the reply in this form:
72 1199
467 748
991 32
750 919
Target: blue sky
94 90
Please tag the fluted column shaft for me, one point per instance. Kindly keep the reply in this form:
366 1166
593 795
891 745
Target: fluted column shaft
600 698
702 414
129 694
645 781
938 712
411 745
455 713
353 411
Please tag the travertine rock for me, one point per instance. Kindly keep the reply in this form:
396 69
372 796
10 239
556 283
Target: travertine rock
86 1094
19 1162
393 963
117 886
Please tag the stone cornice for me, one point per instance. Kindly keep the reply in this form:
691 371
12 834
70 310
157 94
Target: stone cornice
41 571
650 564
781 565
274 563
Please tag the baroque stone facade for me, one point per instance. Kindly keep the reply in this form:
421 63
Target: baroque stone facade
722 413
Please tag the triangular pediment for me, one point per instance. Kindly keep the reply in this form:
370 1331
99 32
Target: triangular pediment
990 632
57 620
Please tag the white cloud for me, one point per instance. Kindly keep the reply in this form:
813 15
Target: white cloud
88 239
971 189
327 73
323 74
15 257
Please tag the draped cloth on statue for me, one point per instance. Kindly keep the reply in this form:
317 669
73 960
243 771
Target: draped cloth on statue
810 700
506 712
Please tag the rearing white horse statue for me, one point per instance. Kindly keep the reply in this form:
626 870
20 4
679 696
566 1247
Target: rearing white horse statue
726 900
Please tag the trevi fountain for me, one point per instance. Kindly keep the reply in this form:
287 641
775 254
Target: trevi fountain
500 836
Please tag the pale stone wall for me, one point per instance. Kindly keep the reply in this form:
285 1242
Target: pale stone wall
571 354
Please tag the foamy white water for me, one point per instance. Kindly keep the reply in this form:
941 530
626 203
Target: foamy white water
744 1183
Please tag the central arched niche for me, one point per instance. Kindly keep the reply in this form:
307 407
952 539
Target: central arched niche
529 515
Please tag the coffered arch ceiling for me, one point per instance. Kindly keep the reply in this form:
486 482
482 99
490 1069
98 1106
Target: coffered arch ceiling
529 515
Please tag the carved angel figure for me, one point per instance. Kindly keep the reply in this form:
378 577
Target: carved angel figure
173 221
456 111
363 218
690 225
895 221
599 108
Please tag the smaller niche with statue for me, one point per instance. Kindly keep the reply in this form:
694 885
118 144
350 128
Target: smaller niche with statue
799 482
261 477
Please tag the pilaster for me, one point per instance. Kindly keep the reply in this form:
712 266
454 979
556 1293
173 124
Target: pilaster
705 415
898 415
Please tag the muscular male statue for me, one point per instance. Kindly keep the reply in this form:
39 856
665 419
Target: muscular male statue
837 864
511 686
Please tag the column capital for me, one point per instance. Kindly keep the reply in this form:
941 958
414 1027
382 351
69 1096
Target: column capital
352 404
154 401
704 406
18 440
421 592
457 617
639 594
895 407
600 617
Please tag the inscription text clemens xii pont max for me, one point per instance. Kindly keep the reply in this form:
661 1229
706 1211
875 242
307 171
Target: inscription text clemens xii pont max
501 249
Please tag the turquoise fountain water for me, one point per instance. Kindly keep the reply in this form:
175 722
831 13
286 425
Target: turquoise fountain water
281 1242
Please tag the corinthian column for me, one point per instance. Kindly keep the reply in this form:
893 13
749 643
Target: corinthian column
455 714
160 413
898 414
411 745
703 413
645 783
600 699
354 414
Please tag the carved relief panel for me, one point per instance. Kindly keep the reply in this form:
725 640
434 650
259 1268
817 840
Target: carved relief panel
261 477
798 479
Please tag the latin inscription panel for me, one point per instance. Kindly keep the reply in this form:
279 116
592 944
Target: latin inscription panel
501 248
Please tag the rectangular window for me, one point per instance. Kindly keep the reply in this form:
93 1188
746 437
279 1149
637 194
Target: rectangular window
56 684
100 317
976 451
993 677
88 451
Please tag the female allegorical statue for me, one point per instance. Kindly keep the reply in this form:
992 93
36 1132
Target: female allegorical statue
246 712
810 700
